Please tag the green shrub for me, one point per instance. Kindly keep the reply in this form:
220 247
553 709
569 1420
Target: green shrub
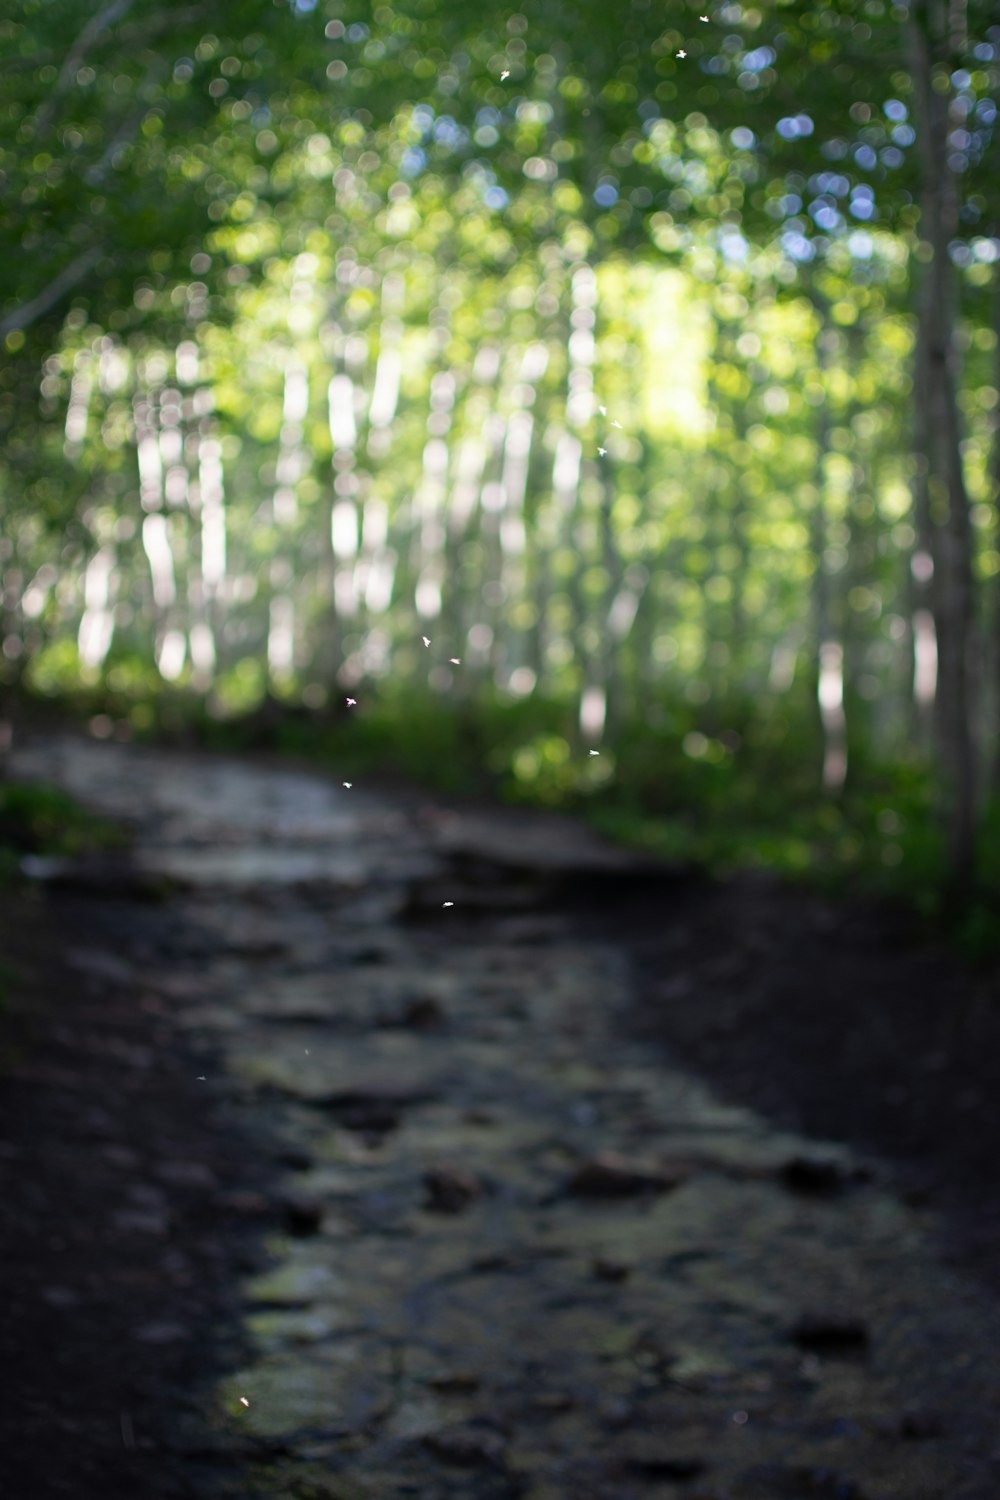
36 818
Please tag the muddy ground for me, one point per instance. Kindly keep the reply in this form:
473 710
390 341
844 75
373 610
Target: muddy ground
355 1146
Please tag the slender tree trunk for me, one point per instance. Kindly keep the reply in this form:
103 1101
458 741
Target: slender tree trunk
923 606
995 466
829 667
949 504
726 506
996 589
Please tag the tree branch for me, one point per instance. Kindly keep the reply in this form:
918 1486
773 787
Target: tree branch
93 29
127 130
142 31
68 277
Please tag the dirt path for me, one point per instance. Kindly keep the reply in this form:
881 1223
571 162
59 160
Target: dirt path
474 1240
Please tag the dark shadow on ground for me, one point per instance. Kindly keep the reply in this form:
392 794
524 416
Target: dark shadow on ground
133 1200
833 1018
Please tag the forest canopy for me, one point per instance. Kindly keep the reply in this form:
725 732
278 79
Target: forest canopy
642 359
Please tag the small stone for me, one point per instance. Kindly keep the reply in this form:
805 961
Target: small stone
451 1189
467 1447
611 1175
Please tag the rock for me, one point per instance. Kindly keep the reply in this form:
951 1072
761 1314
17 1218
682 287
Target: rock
467 1447
831 1333
611 1175
450 1189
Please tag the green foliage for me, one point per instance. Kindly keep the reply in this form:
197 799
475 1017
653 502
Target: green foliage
283 288
743 798
36 818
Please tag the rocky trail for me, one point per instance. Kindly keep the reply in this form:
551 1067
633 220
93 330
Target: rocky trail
343 1172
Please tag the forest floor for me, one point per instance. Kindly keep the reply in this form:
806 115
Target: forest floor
354 1146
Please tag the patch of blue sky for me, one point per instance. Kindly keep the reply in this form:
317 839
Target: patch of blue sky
796 246
792 127
414 161
734 246
447 132
759 59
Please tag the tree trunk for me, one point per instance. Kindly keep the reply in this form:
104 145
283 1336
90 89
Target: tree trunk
949 503
829 661
923 609
995 787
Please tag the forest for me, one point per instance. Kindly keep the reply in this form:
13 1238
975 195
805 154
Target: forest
499 749
605 401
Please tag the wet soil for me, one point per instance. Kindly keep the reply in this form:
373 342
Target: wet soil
357 1146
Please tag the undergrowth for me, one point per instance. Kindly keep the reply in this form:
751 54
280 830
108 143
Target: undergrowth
36 818
728 787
